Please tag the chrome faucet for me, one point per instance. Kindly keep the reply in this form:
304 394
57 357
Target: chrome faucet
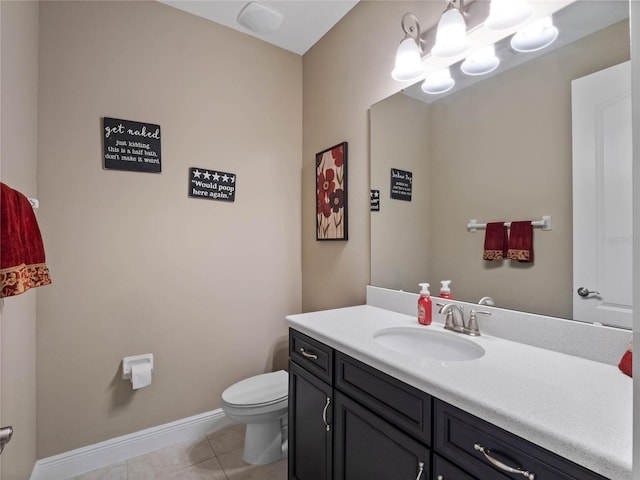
456 323
452 322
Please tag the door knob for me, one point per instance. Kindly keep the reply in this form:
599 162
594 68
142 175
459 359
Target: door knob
585 292
5 435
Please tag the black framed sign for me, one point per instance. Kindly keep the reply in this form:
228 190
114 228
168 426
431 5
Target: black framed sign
132 146
401 184
375 200
212 185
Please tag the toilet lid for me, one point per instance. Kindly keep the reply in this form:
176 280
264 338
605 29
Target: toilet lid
265 388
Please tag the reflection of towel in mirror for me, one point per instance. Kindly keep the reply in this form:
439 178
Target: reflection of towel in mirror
626 362
495 241
22 260
521 242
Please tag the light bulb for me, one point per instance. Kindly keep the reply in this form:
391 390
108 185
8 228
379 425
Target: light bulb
408 61
505 14
481 62
438 82
538 35
451 36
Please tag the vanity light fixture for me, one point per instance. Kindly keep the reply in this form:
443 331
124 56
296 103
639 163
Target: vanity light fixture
438 82
481 61
409 55
451 36
534 37
451 40
505 14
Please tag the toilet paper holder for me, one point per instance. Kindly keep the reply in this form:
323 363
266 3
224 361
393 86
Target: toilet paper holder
128 362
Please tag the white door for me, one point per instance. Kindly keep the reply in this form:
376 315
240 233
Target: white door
602 197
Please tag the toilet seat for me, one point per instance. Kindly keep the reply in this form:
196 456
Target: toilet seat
261 390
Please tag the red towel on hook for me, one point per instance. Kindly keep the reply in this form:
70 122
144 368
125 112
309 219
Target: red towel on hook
521 242
22 261
626 362
495 241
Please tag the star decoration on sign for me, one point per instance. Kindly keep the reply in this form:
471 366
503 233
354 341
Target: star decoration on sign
196 174
207 175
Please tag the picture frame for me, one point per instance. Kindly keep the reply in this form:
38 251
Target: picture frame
331 193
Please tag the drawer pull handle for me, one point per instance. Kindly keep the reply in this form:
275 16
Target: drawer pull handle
502 466
324 414
420 470
308 355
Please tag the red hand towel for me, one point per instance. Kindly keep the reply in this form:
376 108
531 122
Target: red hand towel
22 260
495 241
521 242
626 362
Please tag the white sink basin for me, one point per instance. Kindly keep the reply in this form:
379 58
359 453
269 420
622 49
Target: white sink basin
422 342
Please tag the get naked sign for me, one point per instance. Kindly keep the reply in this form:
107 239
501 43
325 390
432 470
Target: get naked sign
132 146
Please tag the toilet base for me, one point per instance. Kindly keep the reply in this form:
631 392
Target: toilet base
263 443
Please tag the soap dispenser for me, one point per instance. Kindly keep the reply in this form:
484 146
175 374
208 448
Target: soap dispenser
445 291
424 305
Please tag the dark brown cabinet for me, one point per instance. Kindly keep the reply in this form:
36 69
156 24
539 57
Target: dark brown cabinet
349 421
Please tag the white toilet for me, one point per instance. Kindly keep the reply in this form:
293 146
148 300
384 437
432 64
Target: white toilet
261 403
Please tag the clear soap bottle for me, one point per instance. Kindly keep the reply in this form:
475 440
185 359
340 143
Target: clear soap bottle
445 290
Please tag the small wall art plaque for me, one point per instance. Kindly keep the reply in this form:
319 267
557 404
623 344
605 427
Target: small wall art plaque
401 184
375 200
212 185
132 146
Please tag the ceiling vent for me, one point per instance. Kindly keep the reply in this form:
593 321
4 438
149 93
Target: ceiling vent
259 19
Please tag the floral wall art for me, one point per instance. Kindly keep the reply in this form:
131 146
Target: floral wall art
331 193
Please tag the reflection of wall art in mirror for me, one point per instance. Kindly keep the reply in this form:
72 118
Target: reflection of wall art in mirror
401 184
331 193
375 200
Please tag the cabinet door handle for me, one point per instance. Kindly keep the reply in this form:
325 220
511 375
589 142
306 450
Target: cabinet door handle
439 477
324 414
502 466
308 355
420 470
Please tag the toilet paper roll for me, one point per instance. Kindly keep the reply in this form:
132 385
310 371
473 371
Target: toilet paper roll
141 375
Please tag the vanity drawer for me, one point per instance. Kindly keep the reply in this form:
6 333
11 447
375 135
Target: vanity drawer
457 434
402 405
445 470
311 354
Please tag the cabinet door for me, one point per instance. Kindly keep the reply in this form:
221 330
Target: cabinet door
310 435
367 447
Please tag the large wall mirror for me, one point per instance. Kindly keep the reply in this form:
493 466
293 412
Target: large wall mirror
497 150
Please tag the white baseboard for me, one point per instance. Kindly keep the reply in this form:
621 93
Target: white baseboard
91 457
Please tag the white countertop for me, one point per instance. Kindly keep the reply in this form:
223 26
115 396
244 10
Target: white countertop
577 408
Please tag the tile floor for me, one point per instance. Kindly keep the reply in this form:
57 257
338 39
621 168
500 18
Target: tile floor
218 456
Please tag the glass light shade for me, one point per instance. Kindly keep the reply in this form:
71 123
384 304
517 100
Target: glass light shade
451 36
505 14
538 35
408 61
481 62
438 82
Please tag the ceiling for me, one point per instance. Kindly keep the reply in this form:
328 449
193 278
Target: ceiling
305 21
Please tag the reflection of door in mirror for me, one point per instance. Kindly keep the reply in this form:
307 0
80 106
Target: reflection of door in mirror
602 192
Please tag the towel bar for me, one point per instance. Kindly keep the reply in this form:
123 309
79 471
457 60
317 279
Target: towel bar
545 223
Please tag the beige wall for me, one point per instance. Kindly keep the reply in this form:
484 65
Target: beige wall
18 156
514 164
401 236
344 74
137 266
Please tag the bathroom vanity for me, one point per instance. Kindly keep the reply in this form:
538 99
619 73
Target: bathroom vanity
358 409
